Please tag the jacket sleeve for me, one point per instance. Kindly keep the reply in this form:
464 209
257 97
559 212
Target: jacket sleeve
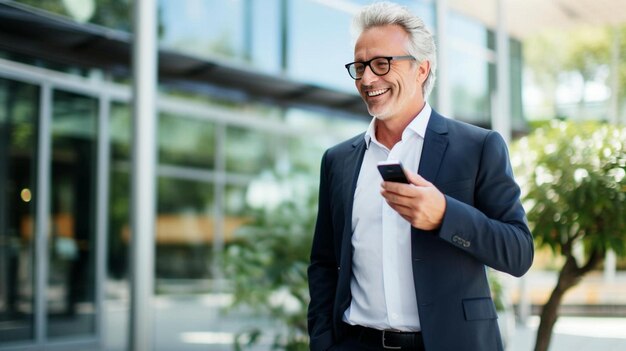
322 272
494 230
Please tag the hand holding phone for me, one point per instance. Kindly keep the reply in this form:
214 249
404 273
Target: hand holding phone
392 171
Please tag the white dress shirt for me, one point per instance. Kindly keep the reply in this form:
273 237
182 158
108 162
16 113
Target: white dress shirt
382 286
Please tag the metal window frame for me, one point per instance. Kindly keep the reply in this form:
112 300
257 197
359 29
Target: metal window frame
106 93
48 81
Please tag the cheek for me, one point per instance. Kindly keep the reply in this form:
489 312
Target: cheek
357 86
409 86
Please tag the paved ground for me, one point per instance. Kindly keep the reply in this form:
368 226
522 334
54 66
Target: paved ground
195 324
575 334
199 323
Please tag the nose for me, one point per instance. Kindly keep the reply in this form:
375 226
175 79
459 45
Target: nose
368 76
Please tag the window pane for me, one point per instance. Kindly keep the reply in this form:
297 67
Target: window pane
109 13
119 193
211 28
185 231
235 210
18 140
265 35
470 88
318 56
305 156
71 283
186 141
249 151
469 76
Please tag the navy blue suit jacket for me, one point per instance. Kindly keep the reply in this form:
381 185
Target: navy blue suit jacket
484 224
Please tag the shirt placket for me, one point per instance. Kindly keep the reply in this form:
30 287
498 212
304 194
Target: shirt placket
390 253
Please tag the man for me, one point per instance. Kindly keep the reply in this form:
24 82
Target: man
403 266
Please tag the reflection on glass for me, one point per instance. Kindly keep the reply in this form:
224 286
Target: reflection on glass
117 256
236 211
469 77
264 29
71 283
467 31
18 140
186 141
210 27
249 151
517 67
470 88
185 231
305 156
115 14
184 227
305 153
308 50
119 198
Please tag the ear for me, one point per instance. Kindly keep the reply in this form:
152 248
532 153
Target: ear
423 70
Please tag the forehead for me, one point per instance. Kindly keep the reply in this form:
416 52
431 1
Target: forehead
384 40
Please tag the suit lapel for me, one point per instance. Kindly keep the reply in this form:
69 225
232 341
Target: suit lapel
435 144
349 175
351 170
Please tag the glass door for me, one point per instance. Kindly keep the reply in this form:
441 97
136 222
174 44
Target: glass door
52 211
71 285
18 146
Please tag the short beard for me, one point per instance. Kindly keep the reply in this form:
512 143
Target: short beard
383 117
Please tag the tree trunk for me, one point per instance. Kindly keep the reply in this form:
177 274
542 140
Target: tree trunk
549 313
569 276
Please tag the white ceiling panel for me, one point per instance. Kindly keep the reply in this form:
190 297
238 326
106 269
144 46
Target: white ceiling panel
527 17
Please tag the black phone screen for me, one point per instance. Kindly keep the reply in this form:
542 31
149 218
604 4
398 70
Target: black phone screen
392 172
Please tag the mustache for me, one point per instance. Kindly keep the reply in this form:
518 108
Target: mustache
370 87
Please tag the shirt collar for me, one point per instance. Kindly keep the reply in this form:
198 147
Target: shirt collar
418 125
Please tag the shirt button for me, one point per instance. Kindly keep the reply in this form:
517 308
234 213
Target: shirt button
394 316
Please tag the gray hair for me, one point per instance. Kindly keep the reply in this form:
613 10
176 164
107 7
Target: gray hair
421 43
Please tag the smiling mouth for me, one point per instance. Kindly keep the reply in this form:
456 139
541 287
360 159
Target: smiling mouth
378 92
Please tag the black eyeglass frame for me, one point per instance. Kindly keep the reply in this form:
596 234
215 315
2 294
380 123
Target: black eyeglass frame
368 62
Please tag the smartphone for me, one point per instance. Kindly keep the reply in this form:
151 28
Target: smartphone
392 171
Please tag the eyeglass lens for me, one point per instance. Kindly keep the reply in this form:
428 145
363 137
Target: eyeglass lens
380 66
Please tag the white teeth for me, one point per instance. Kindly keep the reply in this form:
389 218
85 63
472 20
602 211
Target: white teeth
376 92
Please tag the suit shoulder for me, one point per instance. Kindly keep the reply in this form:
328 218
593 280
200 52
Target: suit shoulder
345 146
471 134
467 130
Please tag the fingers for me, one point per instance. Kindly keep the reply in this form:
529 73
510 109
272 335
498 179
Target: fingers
417 179
414 179
395 198
420 203
406 195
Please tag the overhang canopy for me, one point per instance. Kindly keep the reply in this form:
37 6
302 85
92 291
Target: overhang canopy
38 33
528 17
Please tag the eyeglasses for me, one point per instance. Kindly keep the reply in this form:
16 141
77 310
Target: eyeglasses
379 66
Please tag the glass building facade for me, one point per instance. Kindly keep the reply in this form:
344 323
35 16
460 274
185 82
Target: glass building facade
65 156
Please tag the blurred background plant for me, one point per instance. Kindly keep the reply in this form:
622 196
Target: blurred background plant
574 180
268 259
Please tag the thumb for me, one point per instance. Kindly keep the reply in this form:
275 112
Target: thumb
418 180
